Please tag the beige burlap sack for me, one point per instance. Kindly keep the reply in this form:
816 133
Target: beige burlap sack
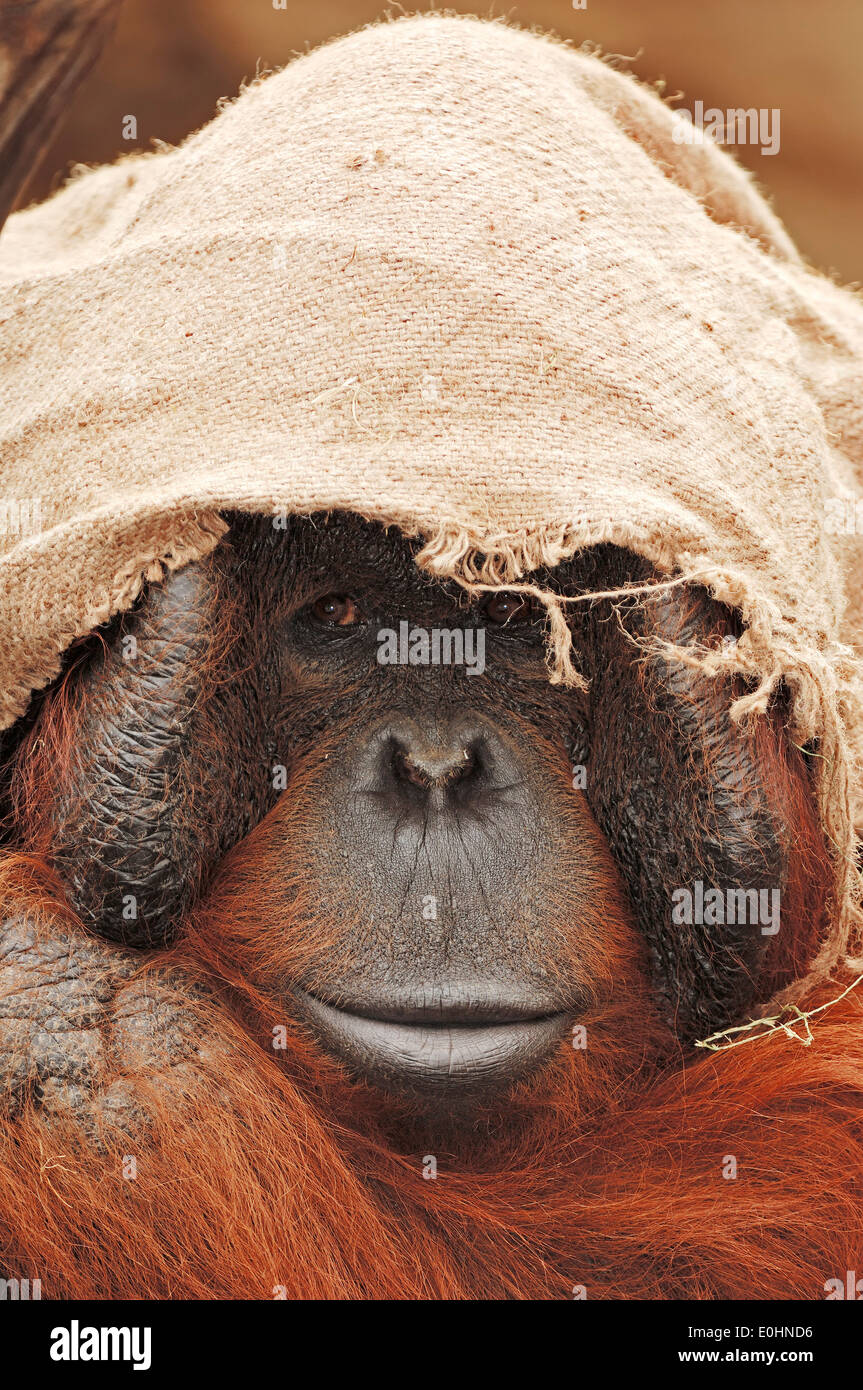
461 278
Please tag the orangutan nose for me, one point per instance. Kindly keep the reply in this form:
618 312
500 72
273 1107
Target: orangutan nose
438 764
435 766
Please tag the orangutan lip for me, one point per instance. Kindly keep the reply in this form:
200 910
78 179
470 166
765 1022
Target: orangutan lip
442 1044
448 1013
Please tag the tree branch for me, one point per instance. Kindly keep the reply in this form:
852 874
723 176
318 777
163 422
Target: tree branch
46 48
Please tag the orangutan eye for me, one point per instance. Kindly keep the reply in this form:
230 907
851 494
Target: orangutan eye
509 608
335 610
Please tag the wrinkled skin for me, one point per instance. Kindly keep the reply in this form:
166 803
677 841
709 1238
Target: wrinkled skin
79 1025
228 721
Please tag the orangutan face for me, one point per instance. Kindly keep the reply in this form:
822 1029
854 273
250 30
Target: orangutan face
411 842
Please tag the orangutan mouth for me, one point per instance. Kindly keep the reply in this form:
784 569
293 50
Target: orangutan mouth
454 1044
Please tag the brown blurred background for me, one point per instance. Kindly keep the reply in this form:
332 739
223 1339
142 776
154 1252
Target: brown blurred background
171 60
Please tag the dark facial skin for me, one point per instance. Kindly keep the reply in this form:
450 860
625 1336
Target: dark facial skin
434 813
